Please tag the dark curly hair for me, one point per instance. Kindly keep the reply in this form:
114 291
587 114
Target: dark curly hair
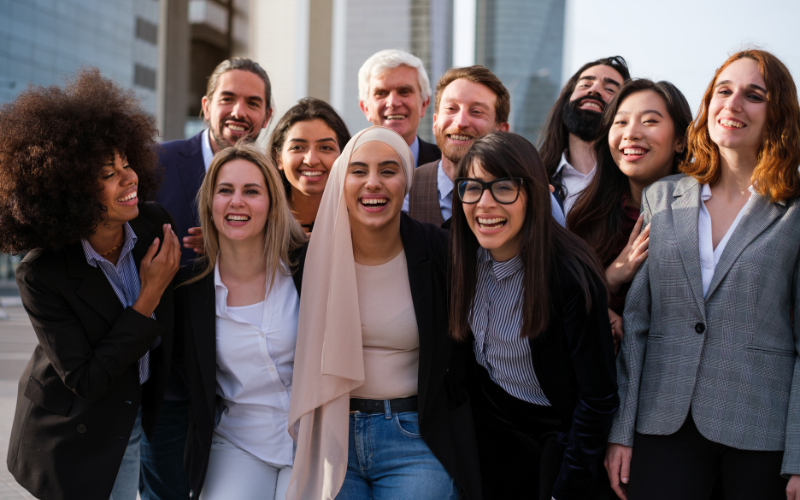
53 145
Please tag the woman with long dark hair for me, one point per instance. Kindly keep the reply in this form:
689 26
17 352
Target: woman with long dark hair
708 368
305 143
76 168
642 138
532 300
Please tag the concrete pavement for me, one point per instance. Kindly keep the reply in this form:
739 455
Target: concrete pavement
17 341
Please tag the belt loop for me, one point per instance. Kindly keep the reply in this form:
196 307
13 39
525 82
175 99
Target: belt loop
387 407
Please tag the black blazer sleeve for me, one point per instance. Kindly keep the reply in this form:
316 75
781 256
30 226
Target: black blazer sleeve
576 359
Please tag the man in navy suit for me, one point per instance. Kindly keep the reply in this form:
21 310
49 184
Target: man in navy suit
394 92
236 105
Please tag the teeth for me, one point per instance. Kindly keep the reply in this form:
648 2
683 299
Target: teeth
591 105
395 117
729 123
460 137
240 218
236 128
129 197
310 173
633 151
492 221
374 201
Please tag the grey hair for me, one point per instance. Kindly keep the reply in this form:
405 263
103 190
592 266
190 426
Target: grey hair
243 64
389 59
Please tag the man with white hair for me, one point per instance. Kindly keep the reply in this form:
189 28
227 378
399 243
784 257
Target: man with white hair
394 92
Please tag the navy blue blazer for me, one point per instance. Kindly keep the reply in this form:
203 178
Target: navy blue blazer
184 170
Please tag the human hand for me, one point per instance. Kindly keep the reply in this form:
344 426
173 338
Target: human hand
618 466
616 329
793 488
623 269
195 241
156 271
552 189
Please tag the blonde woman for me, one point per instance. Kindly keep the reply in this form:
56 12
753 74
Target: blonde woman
238 313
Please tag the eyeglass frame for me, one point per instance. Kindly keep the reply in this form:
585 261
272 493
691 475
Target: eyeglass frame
488 185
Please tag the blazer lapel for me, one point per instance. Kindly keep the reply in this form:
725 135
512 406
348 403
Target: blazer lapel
419 278
685 211
758 217
203 312
94 288
193 168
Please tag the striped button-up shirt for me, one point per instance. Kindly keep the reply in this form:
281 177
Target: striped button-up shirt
496 322
124 279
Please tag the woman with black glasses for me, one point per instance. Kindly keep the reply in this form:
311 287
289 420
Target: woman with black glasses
533 303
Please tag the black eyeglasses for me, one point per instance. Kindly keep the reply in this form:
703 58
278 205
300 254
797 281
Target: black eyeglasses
504 190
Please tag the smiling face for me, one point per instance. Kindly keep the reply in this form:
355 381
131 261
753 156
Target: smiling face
395 101
738 108
497 227
240 205
466 113
307 156
374 185
119 190
595 88
237 109
642 138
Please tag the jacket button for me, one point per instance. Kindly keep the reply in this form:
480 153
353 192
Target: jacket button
699 327
81 429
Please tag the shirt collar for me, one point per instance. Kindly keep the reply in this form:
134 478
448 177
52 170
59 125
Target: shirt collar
566 164
415 150
443 182
502 270
208 153
92 257
705 191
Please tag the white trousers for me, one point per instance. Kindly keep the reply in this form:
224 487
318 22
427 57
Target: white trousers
235 473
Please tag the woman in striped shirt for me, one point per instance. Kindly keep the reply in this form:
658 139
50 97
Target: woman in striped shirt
533 303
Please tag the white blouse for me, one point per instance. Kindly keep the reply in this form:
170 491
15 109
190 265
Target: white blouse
255 358
709 256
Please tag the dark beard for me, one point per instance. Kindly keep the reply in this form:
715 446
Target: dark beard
579 122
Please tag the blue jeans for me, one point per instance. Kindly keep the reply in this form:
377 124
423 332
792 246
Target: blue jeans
388 460
128 474
162 475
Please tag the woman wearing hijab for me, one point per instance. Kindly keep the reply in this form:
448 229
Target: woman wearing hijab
377 408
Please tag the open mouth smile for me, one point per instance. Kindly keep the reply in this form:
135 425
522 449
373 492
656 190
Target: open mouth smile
731 123
633 153
373 204
491 222
312 175
129 199
395 117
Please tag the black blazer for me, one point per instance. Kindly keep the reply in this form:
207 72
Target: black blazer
183 170
575 365
428 152
79 395
445 416
196 319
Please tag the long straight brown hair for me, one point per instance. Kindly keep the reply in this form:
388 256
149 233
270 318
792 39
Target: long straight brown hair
544 243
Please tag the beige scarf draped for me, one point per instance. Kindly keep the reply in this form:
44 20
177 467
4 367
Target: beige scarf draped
329 361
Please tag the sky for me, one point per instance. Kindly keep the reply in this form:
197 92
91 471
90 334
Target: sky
682 41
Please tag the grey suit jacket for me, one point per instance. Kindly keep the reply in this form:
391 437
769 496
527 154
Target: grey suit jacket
731 357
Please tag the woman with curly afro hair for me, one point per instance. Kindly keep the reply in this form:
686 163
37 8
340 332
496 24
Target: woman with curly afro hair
76 164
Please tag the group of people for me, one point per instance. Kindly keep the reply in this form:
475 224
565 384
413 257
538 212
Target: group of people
611 315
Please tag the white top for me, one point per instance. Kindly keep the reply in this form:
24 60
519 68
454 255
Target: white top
208 153
254 369
709 256
574 182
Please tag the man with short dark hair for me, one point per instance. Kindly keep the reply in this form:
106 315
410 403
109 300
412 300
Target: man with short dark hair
236 106
394 92
470 102
566 145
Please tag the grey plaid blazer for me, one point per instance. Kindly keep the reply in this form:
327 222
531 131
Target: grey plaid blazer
730 357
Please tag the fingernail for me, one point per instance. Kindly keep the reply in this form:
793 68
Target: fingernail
155 241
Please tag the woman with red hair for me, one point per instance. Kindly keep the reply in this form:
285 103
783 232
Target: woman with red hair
707 373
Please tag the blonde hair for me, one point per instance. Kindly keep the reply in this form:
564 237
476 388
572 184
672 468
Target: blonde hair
282 234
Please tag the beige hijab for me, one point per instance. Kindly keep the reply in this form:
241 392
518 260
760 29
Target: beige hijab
329 361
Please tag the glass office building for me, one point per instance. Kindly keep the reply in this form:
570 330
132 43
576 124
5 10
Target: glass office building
522 42
42 41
